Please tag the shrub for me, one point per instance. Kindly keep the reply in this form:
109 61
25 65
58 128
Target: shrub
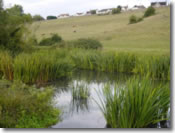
87 44
139 104
116 10
22 106
51 17
149 12
93 12
51 40
38 18
134 19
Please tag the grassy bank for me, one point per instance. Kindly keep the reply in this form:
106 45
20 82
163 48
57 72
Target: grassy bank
137 105
22 106
149 37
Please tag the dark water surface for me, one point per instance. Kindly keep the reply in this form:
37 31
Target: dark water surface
84 113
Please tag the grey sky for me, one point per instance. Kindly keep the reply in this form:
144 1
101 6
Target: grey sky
56 7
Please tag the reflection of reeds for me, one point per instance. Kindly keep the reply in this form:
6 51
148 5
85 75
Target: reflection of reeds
137 105
80 97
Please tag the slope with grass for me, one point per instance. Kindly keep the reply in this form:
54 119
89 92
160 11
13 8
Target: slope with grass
151 36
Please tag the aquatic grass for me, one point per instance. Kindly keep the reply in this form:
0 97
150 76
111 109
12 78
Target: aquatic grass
6 65
137 105
155 67
42 67
80 92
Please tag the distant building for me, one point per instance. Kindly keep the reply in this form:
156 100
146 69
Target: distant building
80 14
63 16
88 13
124 8
105 11
138 7
159 4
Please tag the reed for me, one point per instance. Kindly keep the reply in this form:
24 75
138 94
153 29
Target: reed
137 105
42 67
6 65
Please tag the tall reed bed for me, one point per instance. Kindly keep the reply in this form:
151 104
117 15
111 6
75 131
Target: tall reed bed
137 105
42 66
6 65
104 61
156 67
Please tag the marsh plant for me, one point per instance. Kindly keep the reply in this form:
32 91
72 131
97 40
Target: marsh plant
80 97
137 105
80 91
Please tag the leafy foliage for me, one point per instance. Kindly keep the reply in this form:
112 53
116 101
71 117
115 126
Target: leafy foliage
51 17
51 40
150 11
38 18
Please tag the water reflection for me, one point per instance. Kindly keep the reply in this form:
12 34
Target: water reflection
83 112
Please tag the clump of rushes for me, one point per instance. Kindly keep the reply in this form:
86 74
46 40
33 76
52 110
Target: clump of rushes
6 65
137 105
80 92
157 67
22 106
42 67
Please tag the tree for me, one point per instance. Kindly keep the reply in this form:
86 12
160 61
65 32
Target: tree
51 17
12 28
93 12
149 12
1 5
38 18
16 10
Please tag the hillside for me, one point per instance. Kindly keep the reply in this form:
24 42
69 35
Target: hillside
151 36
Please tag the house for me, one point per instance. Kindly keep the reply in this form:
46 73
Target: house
80 14
138 7
125 8
63 16
88 13
104 11
159 4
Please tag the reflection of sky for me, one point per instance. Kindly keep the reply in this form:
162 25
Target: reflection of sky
92 116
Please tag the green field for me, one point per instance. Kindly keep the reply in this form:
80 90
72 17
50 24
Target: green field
151 36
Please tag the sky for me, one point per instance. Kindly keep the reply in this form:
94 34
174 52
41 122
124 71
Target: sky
56 7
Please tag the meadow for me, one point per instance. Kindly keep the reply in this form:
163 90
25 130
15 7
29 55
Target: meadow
150 36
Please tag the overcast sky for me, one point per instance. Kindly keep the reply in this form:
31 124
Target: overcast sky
56 7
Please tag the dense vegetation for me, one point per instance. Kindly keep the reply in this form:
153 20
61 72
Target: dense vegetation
137 105
23 106
51 40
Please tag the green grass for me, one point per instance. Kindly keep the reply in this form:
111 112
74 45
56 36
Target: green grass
137 105
151 36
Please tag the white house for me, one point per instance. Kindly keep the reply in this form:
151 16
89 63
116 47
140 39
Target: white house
125 8
79 14
138 7
104 11
159 3
63 16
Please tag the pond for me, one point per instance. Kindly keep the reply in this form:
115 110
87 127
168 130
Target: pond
78 113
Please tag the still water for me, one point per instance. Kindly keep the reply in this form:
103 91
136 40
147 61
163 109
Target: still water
84 113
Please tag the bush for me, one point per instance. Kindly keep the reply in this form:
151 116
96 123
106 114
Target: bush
50 41
51 17
134 19
22 106
87 44
38 18
116 10
149 12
